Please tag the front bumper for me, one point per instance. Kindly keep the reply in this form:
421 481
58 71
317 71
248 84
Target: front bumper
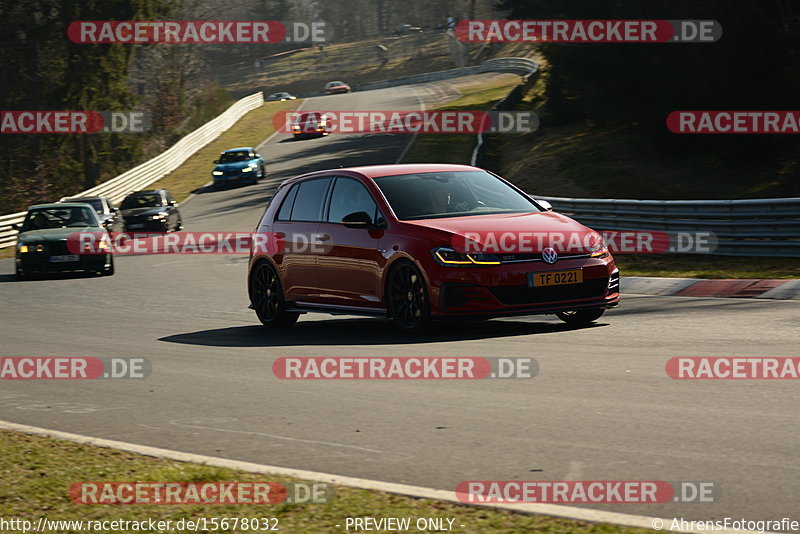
239 178
149 225
503 290
38 262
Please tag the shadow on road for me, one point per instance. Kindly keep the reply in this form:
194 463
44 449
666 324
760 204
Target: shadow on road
4 278
361 332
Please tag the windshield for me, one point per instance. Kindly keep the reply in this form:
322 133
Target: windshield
70 217
451 194
144 200
334 84
96 203
230 157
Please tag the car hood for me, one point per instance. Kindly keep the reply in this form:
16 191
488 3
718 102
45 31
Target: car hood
525 232
143 211
54 234
234 165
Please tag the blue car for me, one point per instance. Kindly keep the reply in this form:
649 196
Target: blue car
239 166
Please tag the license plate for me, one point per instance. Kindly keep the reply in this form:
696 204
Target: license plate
66 257
555 278
135 225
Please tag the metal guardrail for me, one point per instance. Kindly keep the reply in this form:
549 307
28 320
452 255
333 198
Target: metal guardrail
752 227
154 169
517 65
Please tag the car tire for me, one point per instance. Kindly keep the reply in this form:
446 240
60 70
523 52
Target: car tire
109 271
266 296
179 226
407 298
20 275
580 317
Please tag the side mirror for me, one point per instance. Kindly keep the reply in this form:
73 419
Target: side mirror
215 162
172 203
546 206
358 219
16 227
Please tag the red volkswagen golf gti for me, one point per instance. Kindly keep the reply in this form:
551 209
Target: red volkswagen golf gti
416 243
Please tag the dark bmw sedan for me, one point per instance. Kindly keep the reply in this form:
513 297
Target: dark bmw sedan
416 243
152 210
42 243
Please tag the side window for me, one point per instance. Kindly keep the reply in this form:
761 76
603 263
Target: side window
285 213
349 196
310 199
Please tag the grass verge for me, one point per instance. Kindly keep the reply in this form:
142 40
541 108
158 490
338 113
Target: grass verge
37 472
578 158
700 266
250 130
457 148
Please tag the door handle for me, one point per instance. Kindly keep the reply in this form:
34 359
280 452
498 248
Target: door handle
322 237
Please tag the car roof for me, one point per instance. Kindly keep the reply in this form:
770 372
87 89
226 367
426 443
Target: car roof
60 205
241 148
377 171
78 199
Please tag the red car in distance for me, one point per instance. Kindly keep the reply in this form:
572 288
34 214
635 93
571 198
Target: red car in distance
416 243
311 124
336 87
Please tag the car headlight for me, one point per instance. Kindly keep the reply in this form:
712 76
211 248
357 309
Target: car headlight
248 169
216 173
158 216
597 246
23 248
448 256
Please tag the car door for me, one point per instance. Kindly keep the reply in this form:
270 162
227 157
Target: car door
350 263
295 226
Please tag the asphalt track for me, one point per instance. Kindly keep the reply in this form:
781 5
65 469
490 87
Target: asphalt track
602 407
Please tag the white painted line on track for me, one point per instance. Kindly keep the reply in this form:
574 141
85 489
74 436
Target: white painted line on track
555 510
414 136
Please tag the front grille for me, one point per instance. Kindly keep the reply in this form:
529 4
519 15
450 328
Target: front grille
511 295
519 258
58 248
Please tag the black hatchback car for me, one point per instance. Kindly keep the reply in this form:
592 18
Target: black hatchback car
151 210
